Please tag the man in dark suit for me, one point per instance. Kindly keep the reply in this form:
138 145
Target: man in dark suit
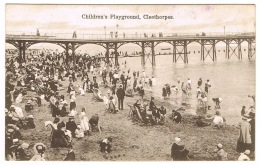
120 95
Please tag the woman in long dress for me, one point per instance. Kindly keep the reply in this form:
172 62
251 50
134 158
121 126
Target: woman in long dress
84 121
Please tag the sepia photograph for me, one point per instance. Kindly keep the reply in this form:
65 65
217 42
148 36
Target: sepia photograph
130 82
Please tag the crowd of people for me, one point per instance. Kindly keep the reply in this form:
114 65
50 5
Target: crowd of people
44 77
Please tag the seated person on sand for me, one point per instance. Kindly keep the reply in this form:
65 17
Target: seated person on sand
176 116
244 156
129 92
81 91
20 153
201 123
105 145
79 132
178 151
162 112
111 105
218 120
94 122
59 139
220 153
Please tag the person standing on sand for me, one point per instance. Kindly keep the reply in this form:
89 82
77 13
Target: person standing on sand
244 141
120 95
84 121
252 123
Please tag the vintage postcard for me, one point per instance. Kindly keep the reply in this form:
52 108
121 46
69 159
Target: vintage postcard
130 82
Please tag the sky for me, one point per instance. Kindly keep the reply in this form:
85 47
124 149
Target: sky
65 19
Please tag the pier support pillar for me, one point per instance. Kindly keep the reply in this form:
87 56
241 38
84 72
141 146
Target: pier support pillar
107 53
185 52
249 49
227 49
116 55
174 52
239 49
202 50
73 53
20 52
143 55
23 48
153 54
67 53
214 50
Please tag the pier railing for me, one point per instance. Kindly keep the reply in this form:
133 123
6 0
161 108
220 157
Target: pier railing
56 36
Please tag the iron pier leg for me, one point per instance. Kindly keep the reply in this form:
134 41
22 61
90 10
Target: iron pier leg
239 50
185 52
73 53
153 54
20 53
202 50
143 55
116 55
214 50
249 49
67 53
23 47
174 51
107 53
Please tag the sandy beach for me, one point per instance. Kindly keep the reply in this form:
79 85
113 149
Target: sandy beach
132 141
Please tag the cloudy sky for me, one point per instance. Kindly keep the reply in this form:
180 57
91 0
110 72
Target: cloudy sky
187 18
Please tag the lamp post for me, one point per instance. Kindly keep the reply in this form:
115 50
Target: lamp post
117 29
